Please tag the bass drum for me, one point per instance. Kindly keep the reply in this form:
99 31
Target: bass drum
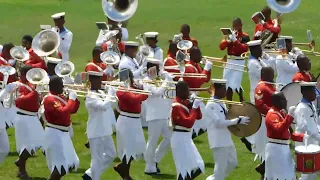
249 110
292 92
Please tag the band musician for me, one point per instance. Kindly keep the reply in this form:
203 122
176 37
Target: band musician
187 159
60 153
185 31
236 45
193 66
263 93
99 128
268 24
278 160
219 136
34 61
304 65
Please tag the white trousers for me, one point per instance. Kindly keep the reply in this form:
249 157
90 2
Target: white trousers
225 161
4 144
233 77
155 129
143 115
102 152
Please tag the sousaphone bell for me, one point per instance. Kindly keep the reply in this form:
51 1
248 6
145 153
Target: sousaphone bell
46 42
110 58
284 6
119 10
36 76
64 69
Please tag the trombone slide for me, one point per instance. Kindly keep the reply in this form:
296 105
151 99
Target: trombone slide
191 75
136 91
230 68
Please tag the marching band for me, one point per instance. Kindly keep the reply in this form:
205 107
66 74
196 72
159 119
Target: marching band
149 89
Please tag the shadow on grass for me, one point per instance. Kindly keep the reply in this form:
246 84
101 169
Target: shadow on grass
209 164
14 153
76 123
38 178
197 141
116 159
79 171
163 176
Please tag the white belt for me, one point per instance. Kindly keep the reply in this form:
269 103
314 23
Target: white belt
130 114
63 128
235 57
181 128
27 112
279 141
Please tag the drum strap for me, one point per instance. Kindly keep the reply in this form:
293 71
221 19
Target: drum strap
224 110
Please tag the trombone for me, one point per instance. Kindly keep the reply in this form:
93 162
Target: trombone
222 61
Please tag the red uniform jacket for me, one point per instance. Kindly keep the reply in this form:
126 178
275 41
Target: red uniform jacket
58 113
170 61
35 61
193 40
302 76
121 47
193 82
182 116
4 62
130 102
262 97
269 25
28 100
277 124
98 67
238 47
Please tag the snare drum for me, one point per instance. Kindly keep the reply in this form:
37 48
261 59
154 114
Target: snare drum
307 159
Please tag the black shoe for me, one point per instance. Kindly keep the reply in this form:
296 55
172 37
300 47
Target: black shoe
158 170
86 177
194 135
247 144
87 145
195 173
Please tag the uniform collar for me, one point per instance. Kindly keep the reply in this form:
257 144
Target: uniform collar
181 101
215 97
62 30
303 100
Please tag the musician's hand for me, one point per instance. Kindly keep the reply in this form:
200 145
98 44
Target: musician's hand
244 120
193 96
305 137
12 86
233 37
262 22
258 34
208 66
73 95
108 71
196 103
291 110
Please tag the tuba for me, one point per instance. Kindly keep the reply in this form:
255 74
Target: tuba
64 69
46 42
284 6
110 58
119 10
20 54
36 76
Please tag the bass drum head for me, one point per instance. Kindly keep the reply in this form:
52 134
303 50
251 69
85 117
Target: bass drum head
292 92
249 110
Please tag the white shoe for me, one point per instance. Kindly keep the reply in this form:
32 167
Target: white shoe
150 169
210 177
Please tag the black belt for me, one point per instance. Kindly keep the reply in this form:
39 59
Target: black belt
278 143
129 116
23 114
180 130
56 128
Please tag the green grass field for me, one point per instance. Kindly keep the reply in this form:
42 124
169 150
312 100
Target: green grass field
20 17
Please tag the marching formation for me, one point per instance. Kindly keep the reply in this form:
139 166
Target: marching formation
129 85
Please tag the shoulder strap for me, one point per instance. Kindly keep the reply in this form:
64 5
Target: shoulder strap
181 105
190 65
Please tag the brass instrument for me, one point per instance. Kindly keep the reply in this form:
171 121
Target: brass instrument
284 6
110 58
46 42
159 81
223 61
136 91
37 76
144 50
64 69
20 54
190 75
119 10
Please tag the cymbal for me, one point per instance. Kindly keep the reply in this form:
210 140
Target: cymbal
249 110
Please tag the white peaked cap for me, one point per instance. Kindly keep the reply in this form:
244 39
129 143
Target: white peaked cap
45 27
151 34
1 47
95 73
254 43
218 81
131 43
58 15
285 37
306 84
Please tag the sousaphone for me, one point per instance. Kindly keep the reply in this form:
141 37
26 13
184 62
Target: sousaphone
64 69
110 58
283 6
119 10
46 42
36 76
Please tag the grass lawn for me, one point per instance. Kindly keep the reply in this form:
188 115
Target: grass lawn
206 17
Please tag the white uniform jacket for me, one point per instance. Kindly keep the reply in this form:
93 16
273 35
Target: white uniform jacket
130 63
286 69
254 71
158 106
307 121
100 115
65 43
158 53
218 132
